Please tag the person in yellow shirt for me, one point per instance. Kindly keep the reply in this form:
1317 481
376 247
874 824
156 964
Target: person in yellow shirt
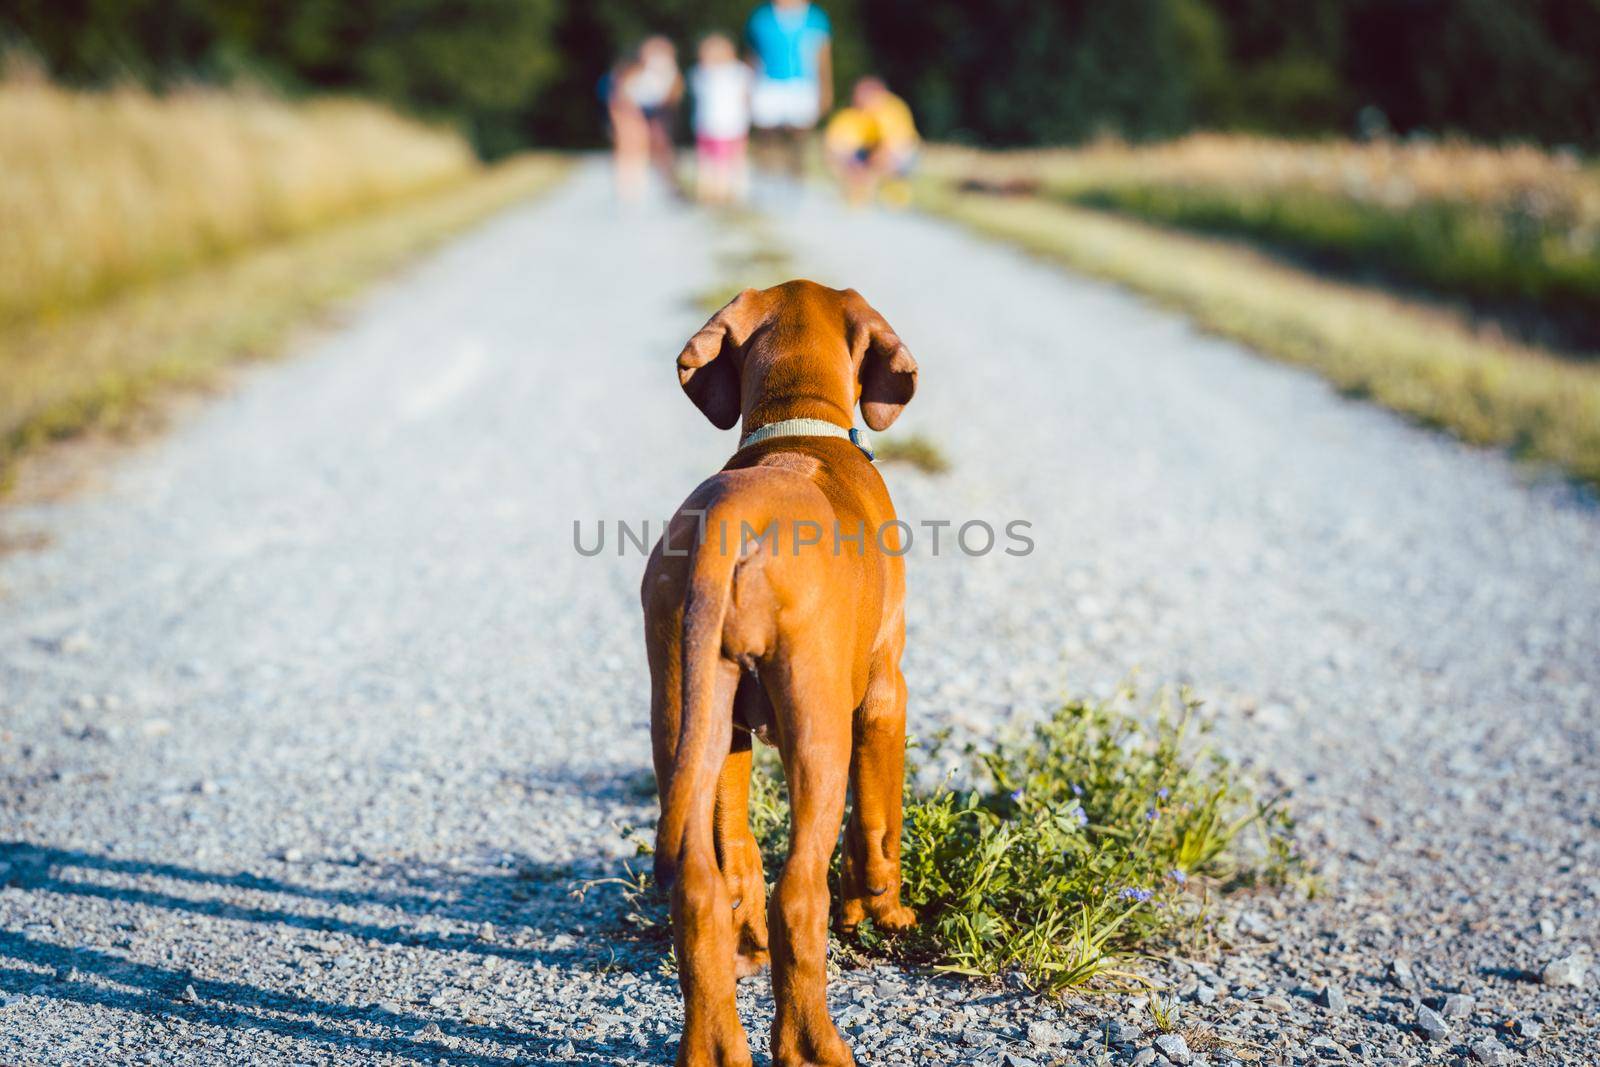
872 141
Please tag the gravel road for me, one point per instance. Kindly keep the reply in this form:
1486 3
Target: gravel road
312 718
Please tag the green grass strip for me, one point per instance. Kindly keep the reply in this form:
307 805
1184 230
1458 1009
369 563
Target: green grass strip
1425 363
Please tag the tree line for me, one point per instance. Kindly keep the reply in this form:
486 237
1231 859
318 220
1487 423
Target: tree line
1000 72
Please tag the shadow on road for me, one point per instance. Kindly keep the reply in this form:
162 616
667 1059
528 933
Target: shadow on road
106 980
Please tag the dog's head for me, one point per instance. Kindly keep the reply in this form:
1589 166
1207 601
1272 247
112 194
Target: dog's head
797 351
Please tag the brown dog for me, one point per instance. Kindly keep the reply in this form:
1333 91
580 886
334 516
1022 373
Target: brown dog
775 605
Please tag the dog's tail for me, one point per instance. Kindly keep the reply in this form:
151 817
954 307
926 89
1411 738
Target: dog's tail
705 728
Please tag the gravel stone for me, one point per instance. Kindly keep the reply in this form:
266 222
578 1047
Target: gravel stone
1457 1006
1327 1048
1124 1033
1332 998
1489 1051
1432 1024
1173 1048
1567 971
1042 1034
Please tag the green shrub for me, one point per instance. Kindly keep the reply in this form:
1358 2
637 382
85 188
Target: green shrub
1096 836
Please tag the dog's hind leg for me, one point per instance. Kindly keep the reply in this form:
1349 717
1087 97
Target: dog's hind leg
691 741
738 854
702 924
870 867
666 719
814 737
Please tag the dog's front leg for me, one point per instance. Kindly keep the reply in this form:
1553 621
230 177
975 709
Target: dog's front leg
740 856
870 871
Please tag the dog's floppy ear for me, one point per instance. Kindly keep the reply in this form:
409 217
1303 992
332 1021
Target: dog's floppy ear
887 373
708 366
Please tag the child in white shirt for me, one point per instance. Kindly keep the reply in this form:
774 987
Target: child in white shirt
721 86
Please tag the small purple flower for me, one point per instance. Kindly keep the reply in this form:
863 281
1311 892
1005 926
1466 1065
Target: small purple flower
1178 876
1017 795
1078 813
1137 894
1163 792
1152 815
1077 790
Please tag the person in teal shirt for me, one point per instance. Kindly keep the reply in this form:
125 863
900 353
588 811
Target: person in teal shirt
791 49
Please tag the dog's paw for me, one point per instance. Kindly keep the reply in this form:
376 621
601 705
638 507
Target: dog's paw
724 1045
818 1046
895 918
886 912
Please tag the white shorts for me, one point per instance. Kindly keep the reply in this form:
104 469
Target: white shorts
791 102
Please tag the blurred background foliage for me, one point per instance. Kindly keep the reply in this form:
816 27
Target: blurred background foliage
1003 72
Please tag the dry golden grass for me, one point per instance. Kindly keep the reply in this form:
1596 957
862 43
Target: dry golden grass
1428 364
59 375
102 190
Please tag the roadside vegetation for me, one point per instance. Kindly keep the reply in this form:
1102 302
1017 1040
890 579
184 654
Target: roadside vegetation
753 258
1103 833
102 191
1420 359
1106 832
1514 227
152 240
915 450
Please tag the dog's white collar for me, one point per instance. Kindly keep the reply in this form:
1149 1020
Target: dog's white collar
806 428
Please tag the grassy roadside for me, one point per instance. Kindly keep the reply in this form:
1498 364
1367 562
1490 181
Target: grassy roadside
1512 230
1424 363
62 374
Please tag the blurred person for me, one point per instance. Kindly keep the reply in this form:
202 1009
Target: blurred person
644 99
630 136
873 144
791 43
721 87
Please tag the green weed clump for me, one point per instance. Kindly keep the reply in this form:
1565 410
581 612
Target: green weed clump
916 450
1098 836
756 260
